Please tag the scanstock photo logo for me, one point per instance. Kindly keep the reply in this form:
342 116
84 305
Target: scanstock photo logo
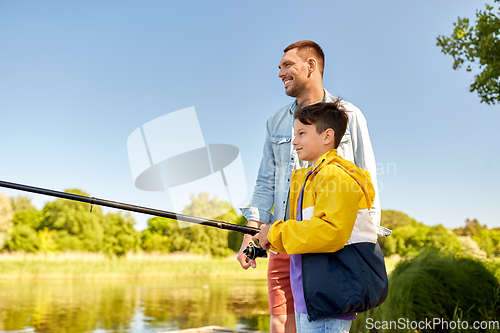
170 154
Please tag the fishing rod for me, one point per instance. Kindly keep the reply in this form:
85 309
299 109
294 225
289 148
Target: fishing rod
252 251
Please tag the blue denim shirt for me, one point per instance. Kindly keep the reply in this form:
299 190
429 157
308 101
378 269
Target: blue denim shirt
279 159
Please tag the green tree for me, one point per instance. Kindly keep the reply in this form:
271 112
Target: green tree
77 227
158 236
30 217
478 44
165 235
442 239
21 203
119 233
23 238
6 214
207 239
396 242
409 237
472 228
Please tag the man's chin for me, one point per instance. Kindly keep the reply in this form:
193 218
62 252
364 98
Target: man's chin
291 92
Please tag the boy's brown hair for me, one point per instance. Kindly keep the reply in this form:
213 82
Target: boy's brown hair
325 115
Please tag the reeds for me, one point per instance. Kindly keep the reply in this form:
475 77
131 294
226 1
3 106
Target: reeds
138 265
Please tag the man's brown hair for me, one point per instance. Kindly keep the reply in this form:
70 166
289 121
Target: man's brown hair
323 116
306 49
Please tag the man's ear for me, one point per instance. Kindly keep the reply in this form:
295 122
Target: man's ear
329 136
312 65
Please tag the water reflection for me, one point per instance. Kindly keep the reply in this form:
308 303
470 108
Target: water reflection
147 305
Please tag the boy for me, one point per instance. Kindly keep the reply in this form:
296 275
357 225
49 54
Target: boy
336 267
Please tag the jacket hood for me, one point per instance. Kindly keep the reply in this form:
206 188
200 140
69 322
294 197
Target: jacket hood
361 176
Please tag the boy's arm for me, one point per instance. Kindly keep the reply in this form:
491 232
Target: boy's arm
330 226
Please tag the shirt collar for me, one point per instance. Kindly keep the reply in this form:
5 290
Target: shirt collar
327 98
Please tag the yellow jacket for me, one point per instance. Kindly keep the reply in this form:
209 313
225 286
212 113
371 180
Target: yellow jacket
337 197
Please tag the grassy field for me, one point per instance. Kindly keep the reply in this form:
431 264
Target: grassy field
94 265
90 265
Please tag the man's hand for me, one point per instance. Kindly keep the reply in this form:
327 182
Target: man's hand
262 237
241 257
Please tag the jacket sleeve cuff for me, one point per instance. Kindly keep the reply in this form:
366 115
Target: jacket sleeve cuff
256 214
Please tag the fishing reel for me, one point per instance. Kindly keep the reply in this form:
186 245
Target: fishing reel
253 251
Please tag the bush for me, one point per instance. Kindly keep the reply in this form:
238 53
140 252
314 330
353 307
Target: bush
443 285
23 238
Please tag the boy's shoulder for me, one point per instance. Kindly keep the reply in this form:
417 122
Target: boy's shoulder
334 172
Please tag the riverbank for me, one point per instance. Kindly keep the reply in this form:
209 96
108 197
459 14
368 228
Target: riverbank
141 265
71 265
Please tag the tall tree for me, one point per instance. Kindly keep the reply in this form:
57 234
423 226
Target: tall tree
21 203
78 228
6 214
478 44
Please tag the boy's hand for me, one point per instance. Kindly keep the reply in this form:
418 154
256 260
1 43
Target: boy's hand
262 237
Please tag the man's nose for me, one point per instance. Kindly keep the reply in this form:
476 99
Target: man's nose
281 73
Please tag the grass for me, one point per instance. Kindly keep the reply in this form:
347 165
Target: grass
140 265
135 265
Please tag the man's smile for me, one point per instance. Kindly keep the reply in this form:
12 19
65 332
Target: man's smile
287 82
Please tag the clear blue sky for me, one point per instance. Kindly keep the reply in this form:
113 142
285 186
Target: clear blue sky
76 78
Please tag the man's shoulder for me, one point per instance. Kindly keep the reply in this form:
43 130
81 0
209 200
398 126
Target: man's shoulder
346 104
280 113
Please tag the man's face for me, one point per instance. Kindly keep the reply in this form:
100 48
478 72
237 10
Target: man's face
293 71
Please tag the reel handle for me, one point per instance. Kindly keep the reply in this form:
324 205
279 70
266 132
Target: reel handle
253 251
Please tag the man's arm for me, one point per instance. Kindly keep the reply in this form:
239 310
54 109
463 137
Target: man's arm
263 196
363 154
259 211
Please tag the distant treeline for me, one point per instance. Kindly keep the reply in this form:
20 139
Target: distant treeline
64 225
409 237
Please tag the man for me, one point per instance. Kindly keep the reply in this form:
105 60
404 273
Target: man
301 70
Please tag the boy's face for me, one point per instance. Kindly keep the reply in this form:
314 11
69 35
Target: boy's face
308 143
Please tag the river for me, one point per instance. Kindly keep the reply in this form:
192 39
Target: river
125 305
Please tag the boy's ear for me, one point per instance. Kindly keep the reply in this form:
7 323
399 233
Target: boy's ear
329 136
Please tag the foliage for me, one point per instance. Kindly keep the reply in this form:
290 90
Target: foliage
488 240
30 217
24 238
438 285
443 285
410 237
21 203
478 44
234 239
157 237
166 235
6 214
119 234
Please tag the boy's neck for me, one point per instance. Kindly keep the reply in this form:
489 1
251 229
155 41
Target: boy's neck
316 160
